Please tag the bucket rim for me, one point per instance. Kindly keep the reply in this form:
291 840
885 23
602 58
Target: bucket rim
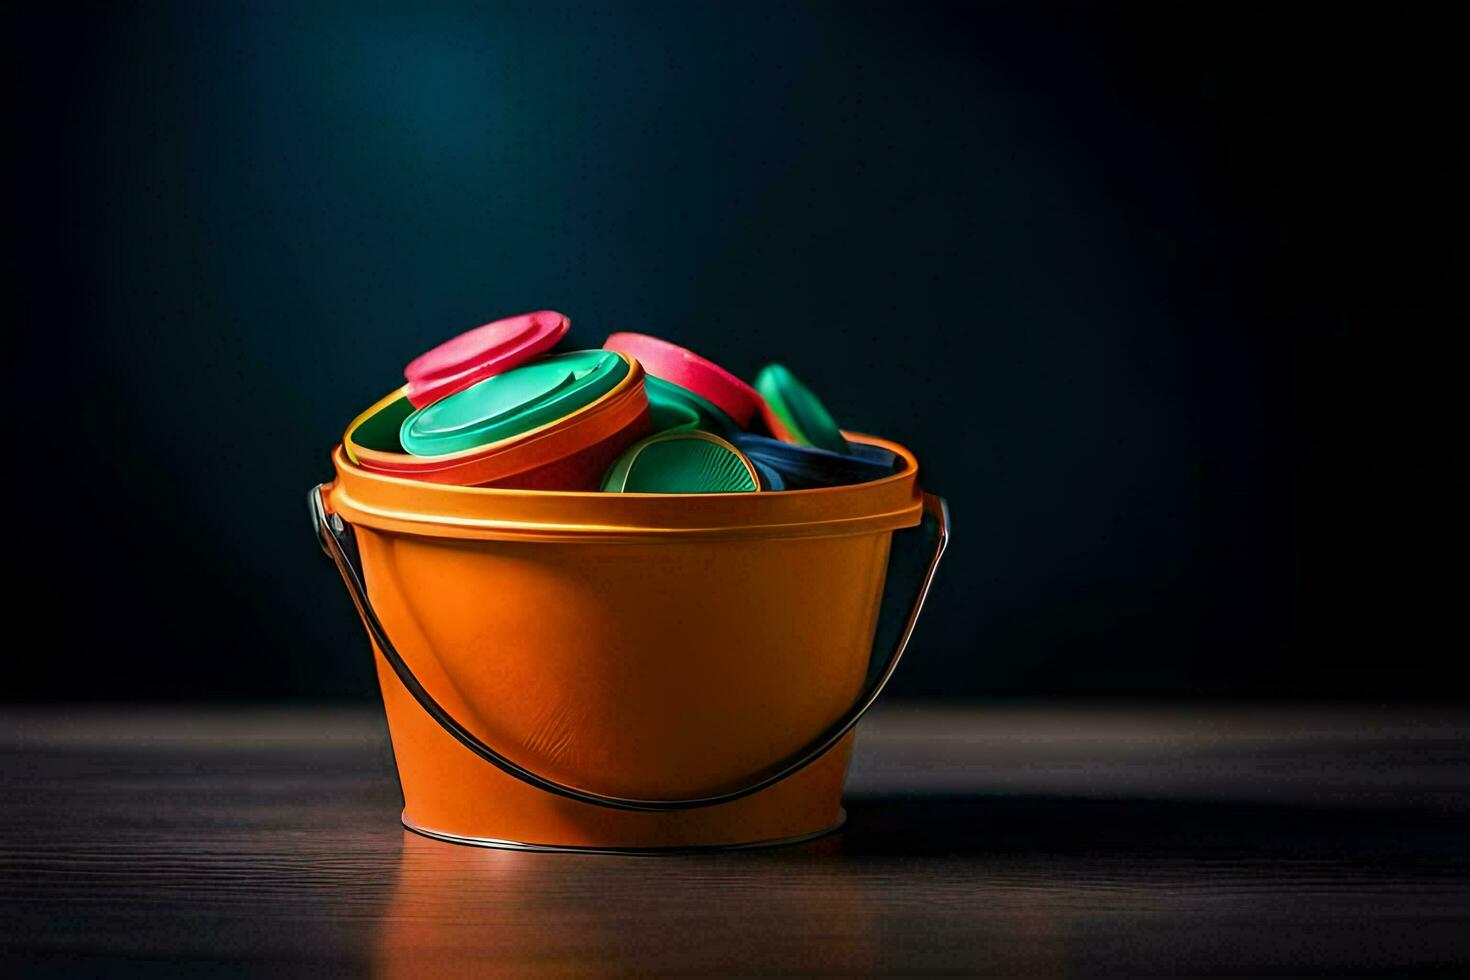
390 502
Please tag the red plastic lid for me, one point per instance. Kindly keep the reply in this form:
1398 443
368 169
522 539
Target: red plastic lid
688 370
479 353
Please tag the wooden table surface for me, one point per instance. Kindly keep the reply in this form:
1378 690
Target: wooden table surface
1031 839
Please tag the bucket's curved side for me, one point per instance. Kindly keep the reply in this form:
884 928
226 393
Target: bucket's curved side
667 669
527 615
449 792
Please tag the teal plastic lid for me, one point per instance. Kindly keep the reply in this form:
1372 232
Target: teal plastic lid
682 462
672 416
676 405
506 405
798 410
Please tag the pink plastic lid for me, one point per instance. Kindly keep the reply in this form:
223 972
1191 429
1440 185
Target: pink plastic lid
688 370
479 353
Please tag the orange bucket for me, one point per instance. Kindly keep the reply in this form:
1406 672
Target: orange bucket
625 672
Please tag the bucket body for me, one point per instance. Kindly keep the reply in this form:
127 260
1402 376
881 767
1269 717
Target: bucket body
632 645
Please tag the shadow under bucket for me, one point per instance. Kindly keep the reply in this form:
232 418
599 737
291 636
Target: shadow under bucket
628 672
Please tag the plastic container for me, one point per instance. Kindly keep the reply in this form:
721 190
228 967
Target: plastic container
688 370
480 353
570 453
624 672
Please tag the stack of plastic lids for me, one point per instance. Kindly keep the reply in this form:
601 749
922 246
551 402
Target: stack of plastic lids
490 408
496 407
805 447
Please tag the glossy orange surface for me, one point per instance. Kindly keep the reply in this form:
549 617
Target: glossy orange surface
638 645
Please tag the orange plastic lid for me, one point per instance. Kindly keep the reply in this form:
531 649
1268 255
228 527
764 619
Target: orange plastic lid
371 441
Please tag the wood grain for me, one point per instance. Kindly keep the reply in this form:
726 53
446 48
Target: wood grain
1032 839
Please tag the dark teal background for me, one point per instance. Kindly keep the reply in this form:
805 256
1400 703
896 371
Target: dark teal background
1163 299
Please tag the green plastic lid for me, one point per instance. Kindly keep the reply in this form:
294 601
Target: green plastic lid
509 404
674 407
672 417
800 411
682 462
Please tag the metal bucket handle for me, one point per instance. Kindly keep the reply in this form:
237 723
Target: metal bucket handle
333 535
